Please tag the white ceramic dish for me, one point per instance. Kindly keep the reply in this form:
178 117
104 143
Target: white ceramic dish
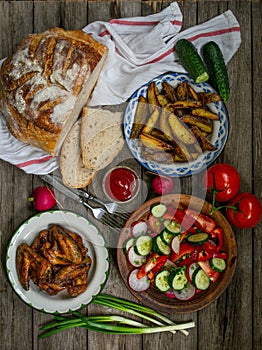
218 137
92 239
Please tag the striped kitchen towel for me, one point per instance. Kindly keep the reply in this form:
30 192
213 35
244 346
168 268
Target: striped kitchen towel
140 48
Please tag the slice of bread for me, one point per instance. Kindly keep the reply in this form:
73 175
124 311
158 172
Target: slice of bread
101 137
73 172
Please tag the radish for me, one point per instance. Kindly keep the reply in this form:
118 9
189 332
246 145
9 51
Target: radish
43 198
162 184
136 284
186 293
139 228
135 259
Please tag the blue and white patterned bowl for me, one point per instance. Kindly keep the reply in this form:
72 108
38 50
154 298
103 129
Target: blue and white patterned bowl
178 169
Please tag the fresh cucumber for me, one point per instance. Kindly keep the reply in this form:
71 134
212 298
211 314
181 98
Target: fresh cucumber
158 210
198 238
143 245
218 264
172 226
161 280
166 236
217 70
177 279
160 247
129 243
191 60
200 279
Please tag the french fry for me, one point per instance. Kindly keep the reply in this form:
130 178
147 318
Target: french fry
170 91
180 130
140 117
157 133
159 156
162 100
187 104
154 143
152 93
164 125
203 124
181 91
151 122
204 113
192 93
209 97
205 144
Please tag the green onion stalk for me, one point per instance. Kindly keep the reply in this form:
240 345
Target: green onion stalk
114 324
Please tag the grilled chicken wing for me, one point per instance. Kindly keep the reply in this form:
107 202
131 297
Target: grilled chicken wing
63 249
31 265
56 260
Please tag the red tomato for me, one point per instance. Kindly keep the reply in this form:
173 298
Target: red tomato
248 210
224 180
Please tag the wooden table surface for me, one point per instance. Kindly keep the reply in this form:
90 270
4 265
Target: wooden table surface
233 321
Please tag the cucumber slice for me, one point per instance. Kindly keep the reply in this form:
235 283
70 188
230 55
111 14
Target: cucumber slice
143 245
166 236
191 60
200 279
158 210
198 238
160 247
172 226
177 279
218 264
161 281
129 243
190 270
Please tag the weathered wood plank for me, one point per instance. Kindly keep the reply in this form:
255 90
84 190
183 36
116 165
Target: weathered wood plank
233 321
257 168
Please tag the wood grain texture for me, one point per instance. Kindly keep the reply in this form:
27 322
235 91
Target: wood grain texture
233 321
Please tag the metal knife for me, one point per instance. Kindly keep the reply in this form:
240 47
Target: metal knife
58 185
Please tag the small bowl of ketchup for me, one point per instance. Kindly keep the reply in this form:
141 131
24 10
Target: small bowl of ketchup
121 184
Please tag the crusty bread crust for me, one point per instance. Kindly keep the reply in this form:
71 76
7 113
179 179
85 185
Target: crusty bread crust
45 84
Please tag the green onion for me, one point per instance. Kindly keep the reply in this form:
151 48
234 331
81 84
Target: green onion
116 324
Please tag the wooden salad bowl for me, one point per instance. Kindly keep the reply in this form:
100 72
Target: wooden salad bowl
152 297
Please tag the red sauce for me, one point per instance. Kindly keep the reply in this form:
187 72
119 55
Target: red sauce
121 184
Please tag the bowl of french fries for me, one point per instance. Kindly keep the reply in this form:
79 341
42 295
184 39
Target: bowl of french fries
175 127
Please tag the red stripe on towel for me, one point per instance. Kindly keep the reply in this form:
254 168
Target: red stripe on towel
140 23
202 35
33 161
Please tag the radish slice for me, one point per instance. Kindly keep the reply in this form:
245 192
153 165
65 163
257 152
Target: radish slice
138 285
135 259
175 245
170 294
139 228
190 270
186 293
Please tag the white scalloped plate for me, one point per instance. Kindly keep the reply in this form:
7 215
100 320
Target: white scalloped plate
92 239
218 137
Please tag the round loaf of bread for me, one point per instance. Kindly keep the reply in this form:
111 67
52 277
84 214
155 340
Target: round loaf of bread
46 83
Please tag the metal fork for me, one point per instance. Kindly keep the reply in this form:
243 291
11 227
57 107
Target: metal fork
102 215
109 216
111 207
